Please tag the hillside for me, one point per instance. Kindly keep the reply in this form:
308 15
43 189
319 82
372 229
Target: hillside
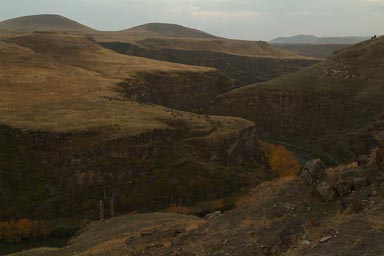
327 212
70 136
321 51
155 30
44 22
334 107
181 87
309 39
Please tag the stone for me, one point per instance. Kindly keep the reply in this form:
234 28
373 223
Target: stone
326 191
284 209
313 171
325 239
213 215
343 188
147 233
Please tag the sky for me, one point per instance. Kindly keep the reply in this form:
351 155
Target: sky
241 19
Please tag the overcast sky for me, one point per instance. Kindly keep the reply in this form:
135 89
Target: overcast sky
243 19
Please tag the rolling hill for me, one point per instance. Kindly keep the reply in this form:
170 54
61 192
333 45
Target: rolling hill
334 107
44 22
70 135
155 30
243 61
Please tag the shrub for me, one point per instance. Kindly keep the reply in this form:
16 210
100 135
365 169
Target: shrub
283 162
16 231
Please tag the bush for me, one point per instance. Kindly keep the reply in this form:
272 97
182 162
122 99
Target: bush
283 162
23 229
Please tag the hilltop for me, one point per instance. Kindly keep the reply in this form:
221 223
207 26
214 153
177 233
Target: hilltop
44 22
152 30
326 107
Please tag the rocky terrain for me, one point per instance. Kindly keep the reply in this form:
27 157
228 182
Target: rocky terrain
333 108
326 211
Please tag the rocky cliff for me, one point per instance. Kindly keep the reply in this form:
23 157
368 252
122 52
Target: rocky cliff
64 174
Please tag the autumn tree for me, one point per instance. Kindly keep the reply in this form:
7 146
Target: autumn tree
283 162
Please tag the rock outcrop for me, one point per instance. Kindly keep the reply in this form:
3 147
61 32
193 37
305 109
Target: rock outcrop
313 171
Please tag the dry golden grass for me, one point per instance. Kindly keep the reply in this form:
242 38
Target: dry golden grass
69 85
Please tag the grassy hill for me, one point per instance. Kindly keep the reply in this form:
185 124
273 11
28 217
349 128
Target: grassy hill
173 85
155 30
70 136
245 62
44 22
334 106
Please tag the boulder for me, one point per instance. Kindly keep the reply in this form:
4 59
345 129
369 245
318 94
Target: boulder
213 215
326 191
343 188
313 171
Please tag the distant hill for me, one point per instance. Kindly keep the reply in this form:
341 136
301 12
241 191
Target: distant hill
166 30
321 51
309 39
44 22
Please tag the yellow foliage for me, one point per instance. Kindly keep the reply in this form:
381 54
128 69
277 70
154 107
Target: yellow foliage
16 231
283 162
217 205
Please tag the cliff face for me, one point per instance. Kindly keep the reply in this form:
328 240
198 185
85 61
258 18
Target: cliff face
327 121
189 91
65 174
243 69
